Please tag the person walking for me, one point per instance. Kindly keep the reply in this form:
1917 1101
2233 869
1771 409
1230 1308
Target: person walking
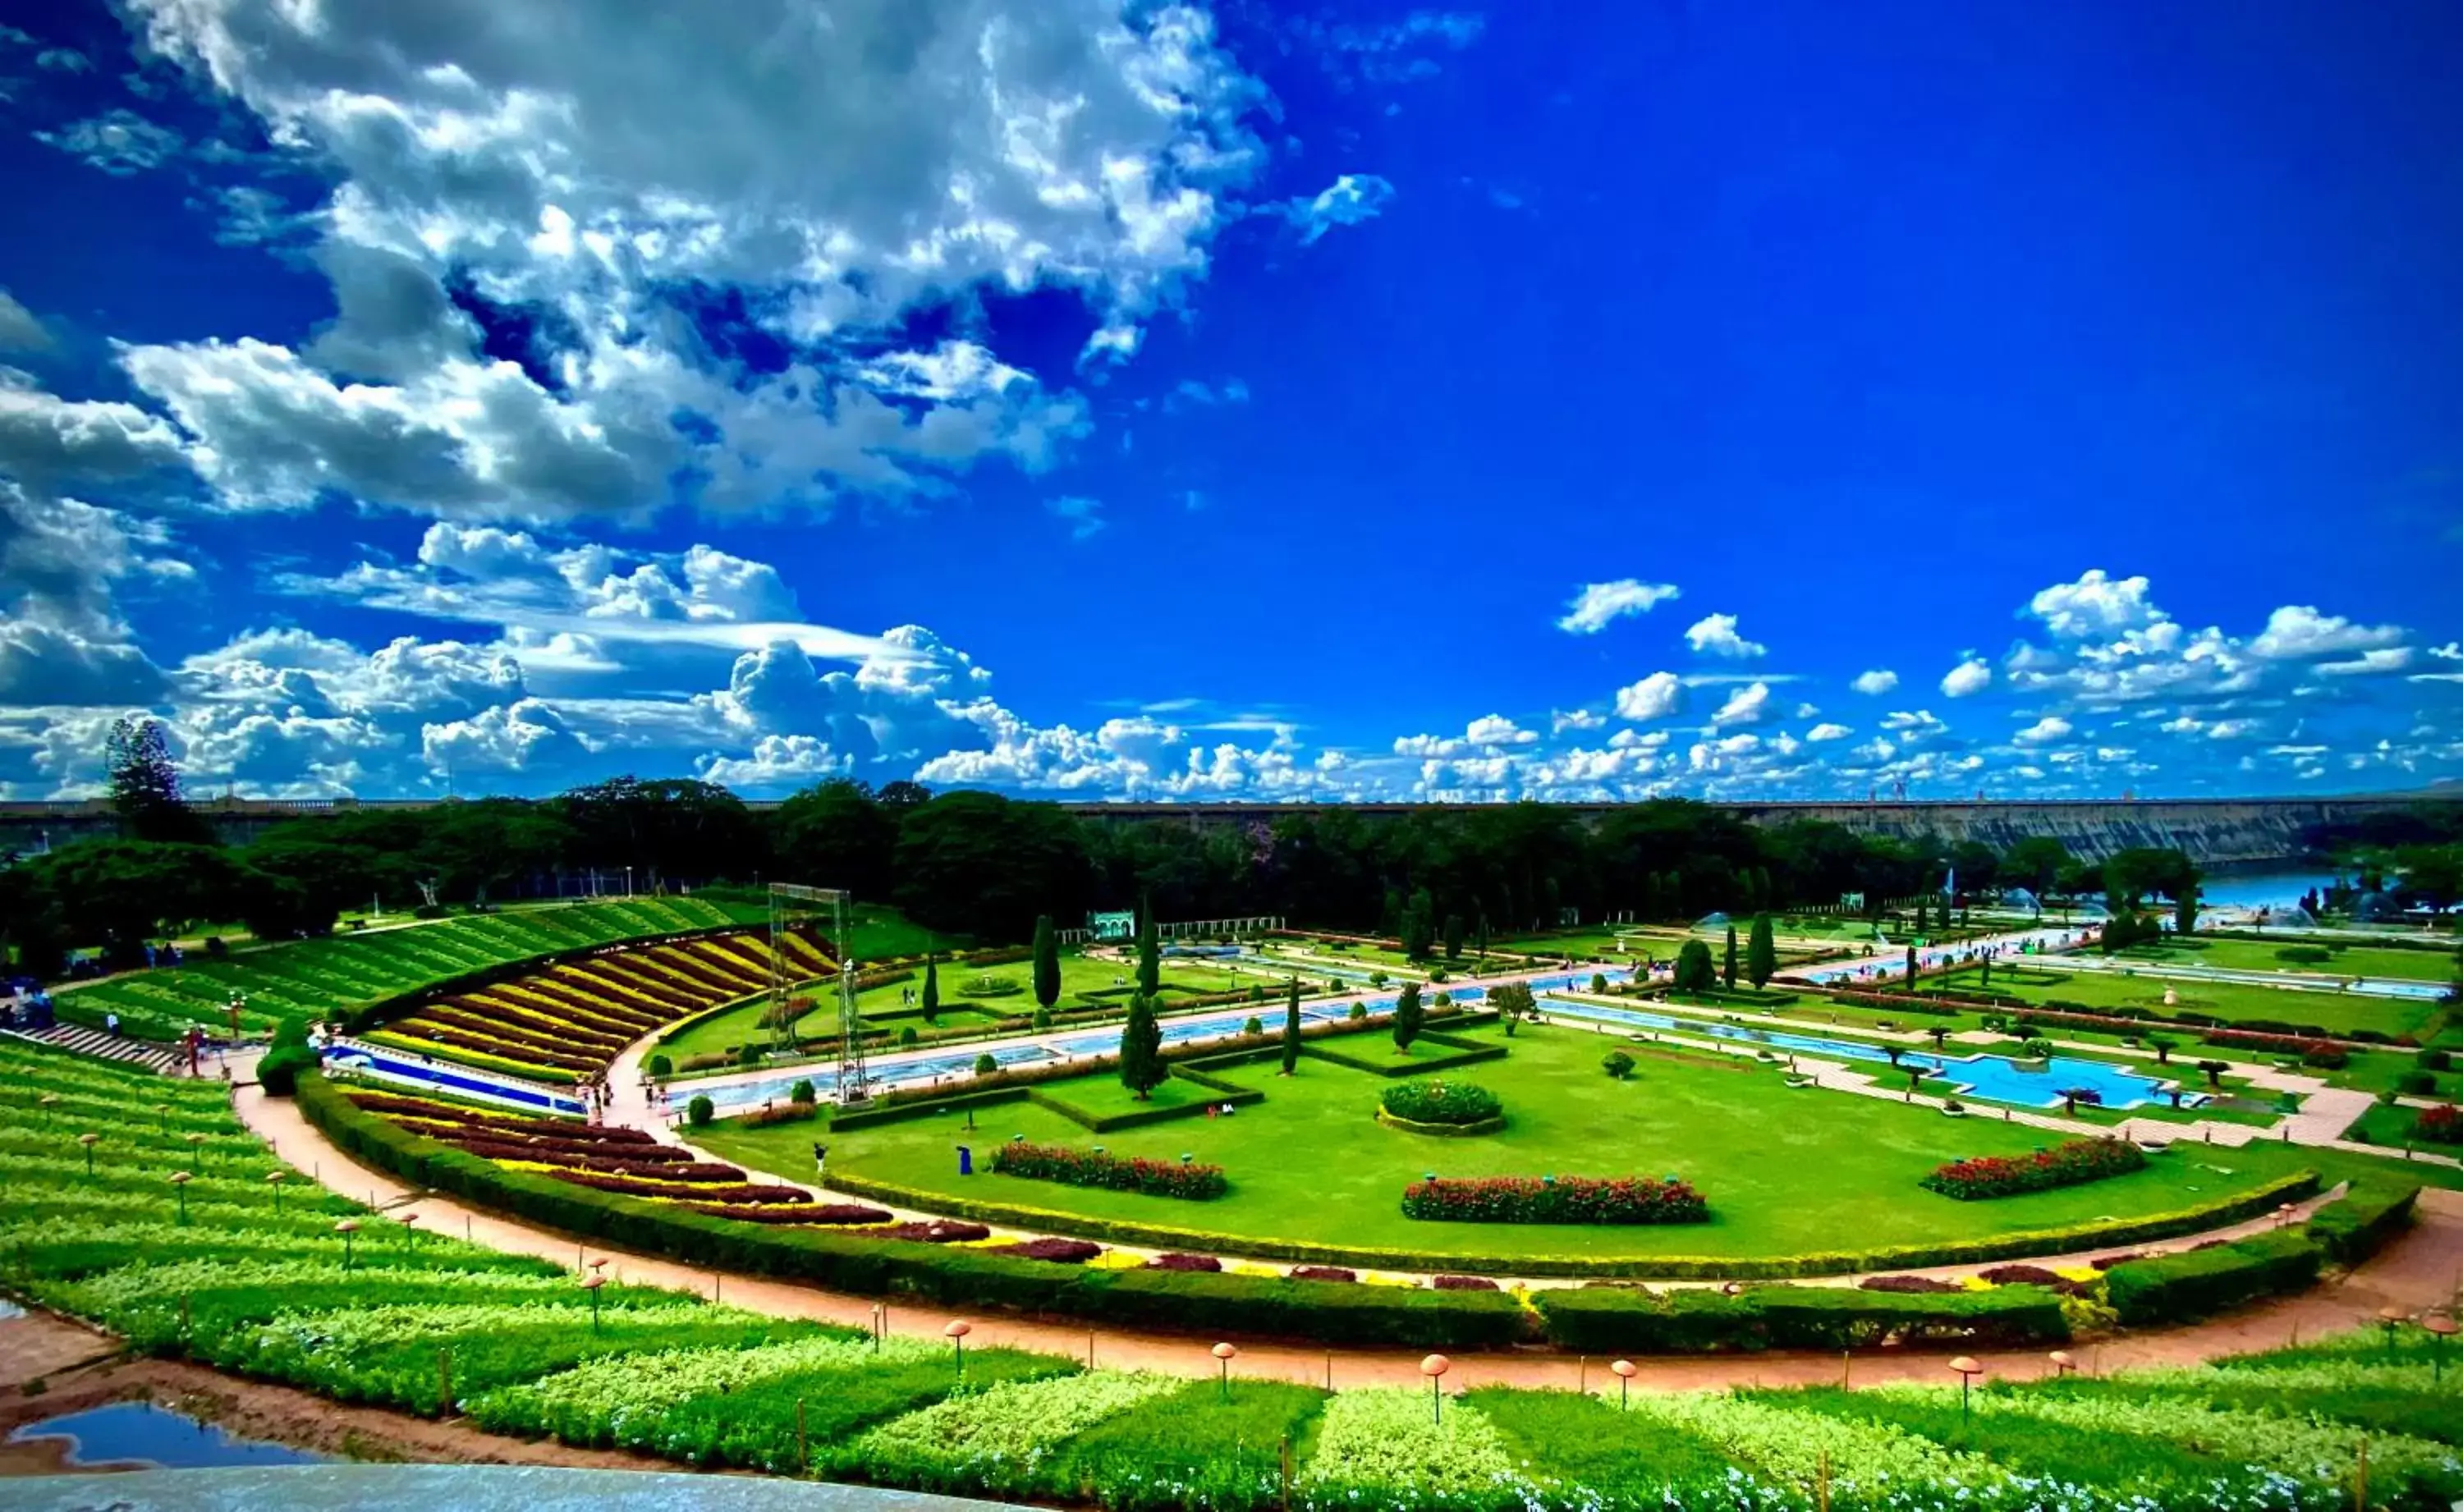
111 1025
820 1163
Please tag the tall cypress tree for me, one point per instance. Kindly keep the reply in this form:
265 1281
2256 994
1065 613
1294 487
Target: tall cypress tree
1728 966
1292 1028
1920 916
1453 936
1047 963
1761 952
1142 1067
1409 1016
932 989
1912 966
2184 912
1149 955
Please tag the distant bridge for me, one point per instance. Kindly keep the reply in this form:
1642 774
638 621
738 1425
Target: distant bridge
2214 831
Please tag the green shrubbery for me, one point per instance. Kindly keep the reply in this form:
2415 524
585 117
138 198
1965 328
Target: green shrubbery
2173 1289
1441 1102
1603 1320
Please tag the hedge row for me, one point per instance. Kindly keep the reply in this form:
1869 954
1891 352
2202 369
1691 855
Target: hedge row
2368 1215
1467 1052
1617 1320
2174 1289
1218 1093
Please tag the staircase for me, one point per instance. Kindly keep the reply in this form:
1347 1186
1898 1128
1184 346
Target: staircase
104 1046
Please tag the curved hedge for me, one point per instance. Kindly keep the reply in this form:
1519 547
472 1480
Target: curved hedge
1441 1102
1443 1131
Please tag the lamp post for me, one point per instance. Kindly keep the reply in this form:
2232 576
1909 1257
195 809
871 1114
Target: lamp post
89 1141
347 1228
591 1284
409 1227
2064 1362
163 1118
956 1333
2283 1215
1625 1370
2441 1328
46 1102
1968 1369
180 1181
1223 1355
2390 1318
196 1153
274 1179
1433 1368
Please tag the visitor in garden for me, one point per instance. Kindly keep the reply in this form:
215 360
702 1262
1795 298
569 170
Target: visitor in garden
111 1025
821 1162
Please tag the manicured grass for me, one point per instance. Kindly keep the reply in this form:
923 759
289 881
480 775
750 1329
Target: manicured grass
1104 1097
2354 960
1786 1172
2337 1012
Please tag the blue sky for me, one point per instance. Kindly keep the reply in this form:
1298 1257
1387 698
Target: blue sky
1072 398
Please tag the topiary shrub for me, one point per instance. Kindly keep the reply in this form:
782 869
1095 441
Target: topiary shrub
663 1066
278 1072
1253 1026
748 1055
985 1065
1617 1064
1441 1102
699 1112
907 1036
801 1093
1358 1011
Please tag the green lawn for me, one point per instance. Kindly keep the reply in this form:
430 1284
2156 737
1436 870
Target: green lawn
2356 960
2336 1012
1785 1170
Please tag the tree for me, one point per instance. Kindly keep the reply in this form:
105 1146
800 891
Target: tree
1911 968
1728 966
2130 874
932 989
2035 863
1453 936
1694 972
1409 1018
1416 928
1479 937
1142 1067
1292 1028
1047 963
1512 1002
1149 953
977 863
145 787
2185 911
1761 953
1918 927
837 833
2215 1070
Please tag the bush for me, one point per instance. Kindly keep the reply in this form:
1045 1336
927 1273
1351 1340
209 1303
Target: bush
747 1054
2304 955
1603 1320
2326 1059
1617 1064
801 1093
2175 1288
906 1036
278 1072
1600 982
1441 1102
1253 1026
2436 1060
1358 1011
2415 1084
699 1112
2360 1223
986 1066
2066 1164
215 948
663 1066
2442 1124
1039 1019
1554 1200
1114 1173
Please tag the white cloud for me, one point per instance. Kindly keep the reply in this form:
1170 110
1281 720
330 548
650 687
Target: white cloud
1747 706
2299 631
1653 698
1970 676
2368 664
1822 734
1348 201
63 639
2095 607
19 330
1563 720
1716 635
45 438
1876 682
1598 604
1085 516
1496 730
1916 725
120 142
2051 728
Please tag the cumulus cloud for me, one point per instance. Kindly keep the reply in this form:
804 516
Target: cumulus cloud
2299 631
2368 664
1716 635
1822 734
1747 706
2097 606
19 330
2051 728
1970 676
1600 604
47 439
1654 698
1875 682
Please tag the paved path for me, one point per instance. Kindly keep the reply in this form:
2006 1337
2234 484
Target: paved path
2421 1269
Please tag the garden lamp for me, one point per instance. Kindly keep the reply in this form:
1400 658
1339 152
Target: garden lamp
89 1141
1434 1367
1625 1370
46 1102
408 1220
2283 1215
592 1285
274 1179
347 1227
1223 1355
163 1116
2391 1318
956 1333
180 1181
2064 1362
2441 1328
1968 1369
196 1151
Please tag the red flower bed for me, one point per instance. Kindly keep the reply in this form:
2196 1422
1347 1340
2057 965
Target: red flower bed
2270 1044
748 1194
570 1130
1053 1162
794 1212
2062 1165
1178 1261
938 1231
1058 1251
2442 1124
1907 1283
1556 1199
1323 1273
1463 1284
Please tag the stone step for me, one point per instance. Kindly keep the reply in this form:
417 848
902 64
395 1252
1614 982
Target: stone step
100 1046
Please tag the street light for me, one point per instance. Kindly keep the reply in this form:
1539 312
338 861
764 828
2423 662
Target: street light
196 1152
274 1179
46 1102
1968 1369
180 1181
591 1286
956 1333
347 1227
2441 1328
1222 1353
1434 1367
2391 1318
1625 1370
2064 1362
409 1232
89 1141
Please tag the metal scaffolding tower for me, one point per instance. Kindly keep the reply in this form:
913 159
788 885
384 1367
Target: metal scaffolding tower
792 906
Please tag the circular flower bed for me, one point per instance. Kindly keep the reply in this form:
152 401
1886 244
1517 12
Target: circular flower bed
1441 1106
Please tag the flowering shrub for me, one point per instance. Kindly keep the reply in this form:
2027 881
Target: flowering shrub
800 1213
1441 1102
1323 1273
1911 1284
2063 1165
2442 1124
1556 1199
1060 1251
1054 1162
937 1231
1179 1262
1462 1283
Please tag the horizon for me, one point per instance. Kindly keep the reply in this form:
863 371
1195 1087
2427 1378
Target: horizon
1237 402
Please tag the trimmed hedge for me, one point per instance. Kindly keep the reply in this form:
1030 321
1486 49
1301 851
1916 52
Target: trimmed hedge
2371 1213
2174 1289
1467 1052
1601 1320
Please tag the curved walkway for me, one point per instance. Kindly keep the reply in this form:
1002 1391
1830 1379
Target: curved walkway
2418 1270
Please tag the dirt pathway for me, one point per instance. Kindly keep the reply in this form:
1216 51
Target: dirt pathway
2424 1269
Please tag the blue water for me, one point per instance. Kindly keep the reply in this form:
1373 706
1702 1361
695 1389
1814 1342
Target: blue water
438 1075
1995 1078
142 1432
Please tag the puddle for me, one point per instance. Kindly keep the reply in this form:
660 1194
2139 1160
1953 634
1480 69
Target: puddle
142 1435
